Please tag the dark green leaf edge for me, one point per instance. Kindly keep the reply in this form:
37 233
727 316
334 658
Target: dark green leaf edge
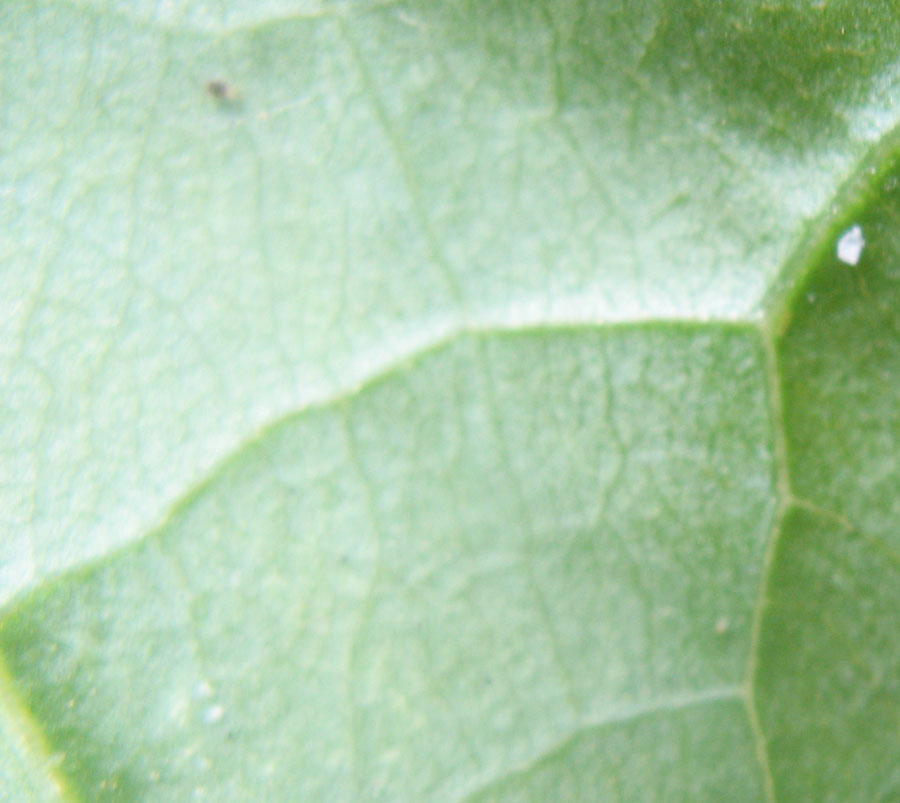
820 237
28 766
815 247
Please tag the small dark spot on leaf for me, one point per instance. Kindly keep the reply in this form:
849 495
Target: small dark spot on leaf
220 89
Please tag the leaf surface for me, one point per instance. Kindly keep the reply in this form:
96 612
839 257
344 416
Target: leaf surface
449 401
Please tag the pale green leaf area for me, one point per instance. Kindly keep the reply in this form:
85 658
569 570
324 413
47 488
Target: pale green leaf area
467 405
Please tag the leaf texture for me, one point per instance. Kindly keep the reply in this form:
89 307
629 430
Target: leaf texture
457 402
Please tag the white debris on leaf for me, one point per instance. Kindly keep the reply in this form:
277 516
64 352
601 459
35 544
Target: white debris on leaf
213 714
850 246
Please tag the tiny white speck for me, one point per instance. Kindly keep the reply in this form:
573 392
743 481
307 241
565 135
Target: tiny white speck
203 689
722 625
850 246
213 714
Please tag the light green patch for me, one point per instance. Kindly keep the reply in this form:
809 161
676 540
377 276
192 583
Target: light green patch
377 599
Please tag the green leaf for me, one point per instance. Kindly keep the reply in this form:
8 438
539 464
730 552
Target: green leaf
443 401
